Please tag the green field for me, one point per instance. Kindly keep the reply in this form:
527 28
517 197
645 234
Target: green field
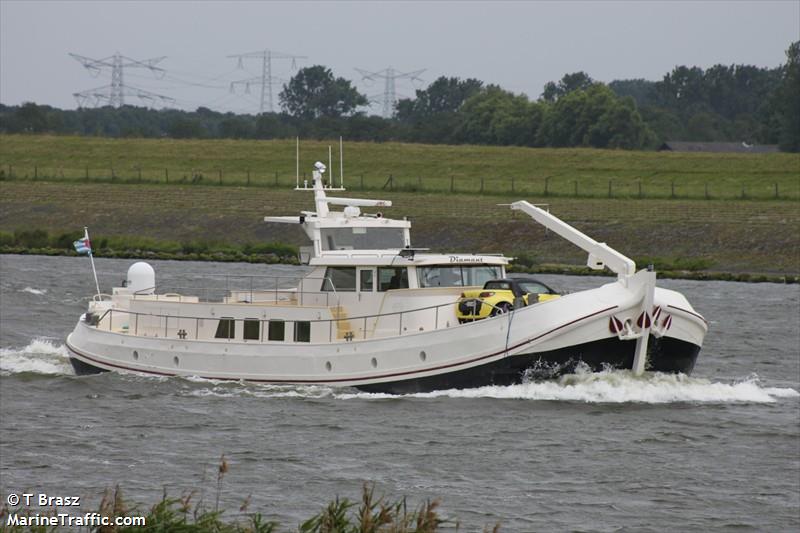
586 173
738 236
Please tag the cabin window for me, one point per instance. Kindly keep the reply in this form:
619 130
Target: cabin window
392 278
456 275
351 238
343 279
251 330
276 330
365 283
302 331
226 328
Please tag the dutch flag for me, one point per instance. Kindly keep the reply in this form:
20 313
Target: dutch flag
83 246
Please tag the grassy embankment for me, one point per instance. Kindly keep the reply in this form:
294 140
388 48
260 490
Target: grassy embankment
726 234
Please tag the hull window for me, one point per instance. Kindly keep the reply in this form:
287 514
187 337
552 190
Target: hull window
277 330
302 331
251 331
392 278
226 328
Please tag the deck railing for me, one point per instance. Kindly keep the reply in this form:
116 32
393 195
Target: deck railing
190 327
254 289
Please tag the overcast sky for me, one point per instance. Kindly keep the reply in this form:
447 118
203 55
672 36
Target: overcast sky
518 45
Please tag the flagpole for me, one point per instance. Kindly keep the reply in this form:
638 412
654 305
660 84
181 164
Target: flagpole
91 258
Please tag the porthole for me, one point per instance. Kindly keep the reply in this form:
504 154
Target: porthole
328 366
422 355
374 363
176 360
135 355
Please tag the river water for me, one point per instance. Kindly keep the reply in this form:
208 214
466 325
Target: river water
715 451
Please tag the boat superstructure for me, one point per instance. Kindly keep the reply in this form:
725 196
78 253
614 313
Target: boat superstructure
373 312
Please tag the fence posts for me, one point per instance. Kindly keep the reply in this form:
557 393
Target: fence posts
276 178
362 181
248 177
547 185
512 184
640 188
452 184
776 191
609 188
481 185
166 174
672 186
576 188
220 176
35 172
707 197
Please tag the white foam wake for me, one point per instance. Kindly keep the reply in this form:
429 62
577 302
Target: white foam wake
31 290
41 356
619 387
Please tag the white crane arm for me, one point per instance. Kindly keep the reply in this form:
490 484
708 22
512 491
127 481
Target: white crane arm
600 254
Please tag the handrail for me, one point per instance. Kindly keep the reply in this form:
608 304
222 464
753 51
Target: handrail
327 282
331 321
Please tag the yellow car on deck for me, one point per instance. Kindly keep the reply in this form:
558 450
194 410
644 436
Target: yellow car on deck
501 296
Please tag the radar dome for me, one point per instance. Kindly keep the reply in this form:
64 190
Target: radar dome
141 278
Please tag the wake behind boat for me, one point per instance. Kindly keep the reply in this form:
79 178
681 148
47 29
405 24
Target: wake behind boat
376 314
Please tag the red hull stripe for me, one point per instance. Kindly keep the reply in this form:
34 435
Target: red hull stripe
339 380
689 312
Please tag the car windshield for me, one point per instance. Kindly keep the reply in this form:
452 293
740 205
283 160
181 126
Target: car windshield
534 287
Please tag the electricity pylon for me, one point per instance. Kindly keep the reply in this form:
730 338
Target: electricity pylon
266 80
389 75
116 92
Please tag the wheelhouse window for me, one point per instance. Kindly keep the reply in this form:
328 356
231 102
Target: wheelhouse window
365 280
351 238
226 328
456 275
339 279
276 330
252 329
302 331
392 278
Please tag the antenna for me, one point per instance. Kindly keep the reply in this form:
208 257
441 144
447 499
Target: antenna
116 92
341 163
267 80
331 179
389 75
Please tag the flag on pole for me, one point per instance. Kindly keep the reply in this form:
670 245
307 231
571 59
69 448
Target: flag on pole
83 246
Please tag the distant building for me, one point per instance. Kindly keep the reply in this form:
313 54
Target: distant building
742 148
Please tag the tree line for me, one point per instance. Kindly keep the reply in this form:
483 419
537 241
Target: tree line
738 103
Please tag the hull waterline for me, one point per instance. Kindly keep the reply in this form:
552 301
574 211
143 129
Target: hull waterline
665 354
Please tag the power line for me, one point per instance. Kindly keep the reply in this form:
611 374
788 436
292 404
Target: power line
389 75
116 92
266 80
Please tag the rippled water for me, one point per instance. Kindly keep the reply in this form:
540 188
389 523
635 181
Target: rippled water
610 451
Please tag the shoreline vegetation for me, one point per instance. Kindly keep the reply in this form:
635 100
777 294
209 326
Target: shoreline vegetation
677 270
192 513
692 215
